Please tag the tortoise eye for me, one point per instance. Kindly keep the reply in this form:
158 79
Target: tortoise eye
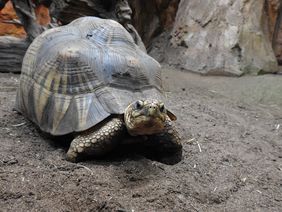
162 107
139 104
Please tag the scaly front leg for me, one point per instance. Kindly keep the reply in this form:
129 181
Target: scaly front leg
97 140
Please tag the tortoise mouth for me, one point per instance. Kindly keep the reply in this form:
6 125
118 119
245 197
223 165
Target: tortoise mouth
145 125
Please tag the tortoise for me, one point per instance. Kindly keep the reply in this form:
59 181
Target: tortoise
90 79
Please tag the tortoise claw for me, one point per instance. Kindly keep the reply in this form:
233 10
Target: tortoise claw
71 155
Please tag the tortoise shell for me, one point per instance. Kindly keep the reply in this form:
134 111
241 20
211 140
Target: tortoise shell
75 76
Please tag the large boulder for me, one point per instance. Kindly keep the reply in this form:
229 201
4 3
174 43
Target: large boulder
227 37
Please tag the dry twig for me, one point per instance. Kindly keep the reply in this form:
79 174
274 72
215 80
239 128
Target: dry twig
19 125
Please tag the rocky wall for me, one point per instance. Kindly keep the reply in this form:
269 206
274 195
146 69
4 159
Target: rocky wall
9 23
150 18
18 27
226 37
273 11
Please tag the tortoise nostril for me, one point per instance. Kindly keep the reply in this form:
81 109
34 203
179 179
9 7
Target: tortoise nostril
153 107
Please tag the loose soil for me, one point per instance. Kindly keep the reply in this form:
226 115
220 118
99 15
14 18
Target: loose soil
232 155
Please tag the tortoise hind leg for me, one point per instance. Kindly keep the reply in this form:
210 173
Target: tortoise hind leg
97 140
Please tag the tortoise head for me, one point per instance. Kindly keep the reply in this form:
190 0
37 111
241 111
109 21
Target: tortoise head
146 117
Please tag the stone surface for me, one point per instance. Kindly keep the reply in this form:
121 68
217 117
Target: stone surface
20 22
12 51
42 15
66 11
226 37
150 18
273 11
8 19
11 25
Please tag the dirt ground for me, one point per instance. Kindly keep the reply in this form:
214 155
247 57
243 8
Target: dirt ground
232 155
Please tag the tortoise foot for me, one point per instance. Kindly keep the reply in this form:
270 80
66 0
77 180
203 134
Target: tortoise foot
71 155
96 141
